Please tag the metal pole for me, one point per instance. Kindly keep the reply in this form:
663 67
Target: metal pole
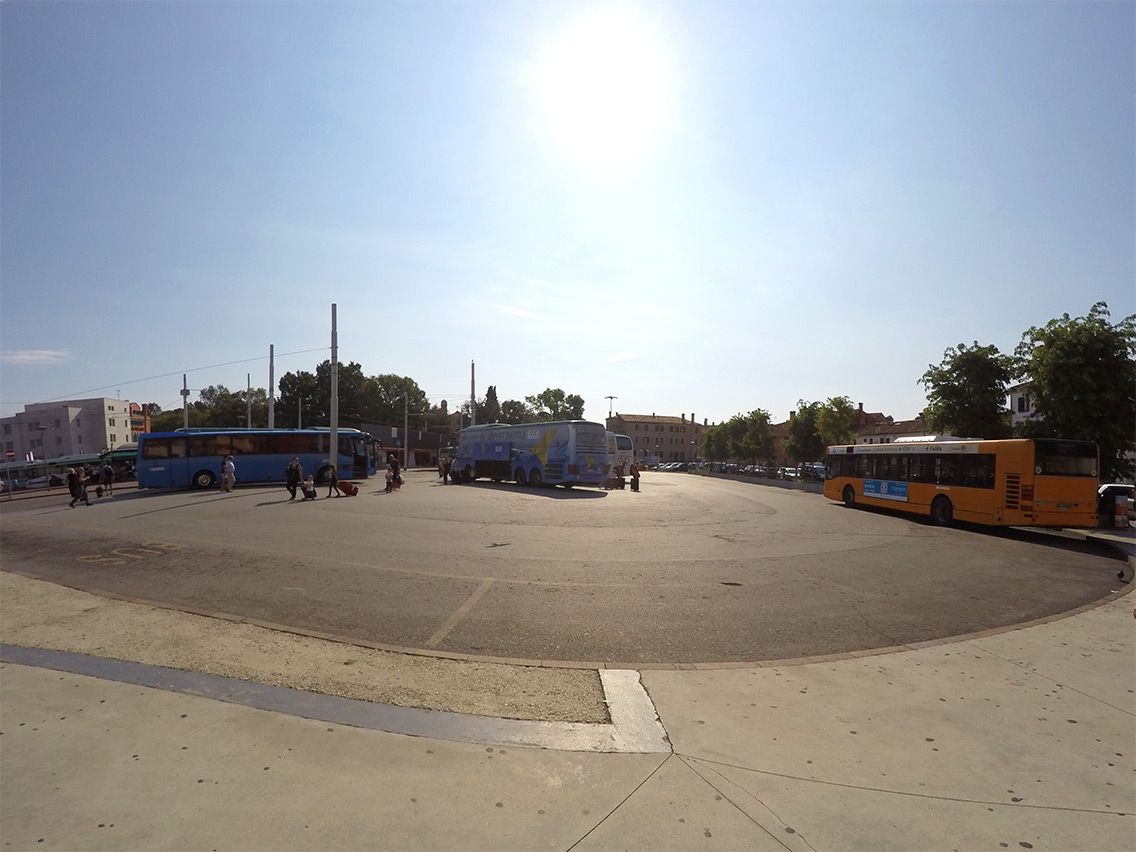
472 397
334 437
185 401
406 430
248 399
271 387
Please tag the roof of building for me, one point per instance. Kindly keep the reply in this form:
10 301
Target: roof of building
918 426
652 418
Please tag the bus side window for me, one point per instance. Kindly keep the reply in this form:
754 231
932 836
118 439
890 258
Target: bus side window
156 448
177 448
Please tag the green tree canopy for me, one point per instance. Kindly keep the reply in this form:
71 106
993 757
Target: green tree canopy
1081 375
802 441
490 409
554 404
966 393
515 411
835 422
748 437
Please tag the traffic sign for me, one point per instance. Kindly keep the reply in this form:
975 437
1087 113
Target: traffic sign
11 454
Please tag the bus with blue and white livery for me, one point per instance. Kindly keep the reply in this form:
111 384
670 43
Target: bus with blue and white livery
558 452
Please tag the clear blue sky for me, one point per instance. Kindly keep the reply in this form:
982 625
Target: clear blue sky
703 207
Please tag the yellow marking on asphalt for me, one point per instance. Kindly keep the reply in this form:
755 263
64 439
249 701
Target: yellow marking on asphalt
459 614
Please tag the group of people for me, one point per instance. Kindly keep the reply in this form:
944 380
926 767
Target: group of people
295 481
79 480
447 469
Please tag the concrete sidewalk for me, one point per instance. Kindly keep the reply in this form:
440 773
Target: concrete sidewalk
1018 740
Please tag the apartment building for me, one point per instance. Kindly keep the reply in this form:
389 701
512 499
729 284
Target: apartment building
660 438
73 427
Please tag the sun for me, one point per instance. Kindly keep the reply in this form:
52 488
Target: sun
603 89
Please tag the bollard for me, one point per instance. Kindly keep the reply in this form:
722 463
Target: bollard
1120 512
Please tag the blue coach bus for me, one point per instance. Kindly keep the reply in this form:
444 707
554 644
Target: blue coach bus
560 452
192 457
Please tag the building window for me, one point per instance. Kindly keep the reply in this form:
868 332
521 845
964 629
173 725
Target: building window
1023 404
113 441
112 423
7 428
55 423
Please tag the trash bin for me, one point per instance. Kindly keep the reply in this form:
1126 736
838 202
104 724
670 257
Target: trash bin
1120 512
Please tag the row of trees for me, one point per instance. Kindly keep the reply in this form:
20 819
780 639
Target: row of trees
305 400
748 438
1079 374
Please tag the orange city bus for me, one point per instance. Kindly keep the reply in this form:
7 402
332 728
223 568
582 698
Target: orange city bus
1018 482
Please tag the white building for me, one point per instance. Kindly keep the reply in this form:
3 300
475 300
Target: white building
1020 408
78 426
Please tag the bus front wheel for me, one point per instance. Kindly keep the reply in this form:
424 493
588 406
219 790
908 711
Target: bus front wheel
535 479
204 479
942 513
849 496
323 475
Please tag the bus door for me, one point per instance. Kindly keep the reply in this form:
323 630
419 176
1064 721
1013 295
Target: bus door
359 457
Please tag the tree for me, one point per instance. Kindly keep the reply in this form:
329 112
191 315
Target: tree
715 444
514 411
966 393
553 404
490 409
748 438
300 400
835 422
802 441
1081 375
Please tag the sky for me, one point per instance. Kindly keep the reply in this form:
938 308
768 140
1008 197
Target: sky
693 207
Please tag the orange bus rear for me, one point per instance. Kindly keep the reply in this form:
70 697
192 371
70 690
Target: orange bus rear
1016 482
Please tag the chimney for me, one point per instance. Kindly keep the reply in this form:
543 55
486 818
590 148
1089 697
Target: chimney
692 417
705 421
684 417
861 408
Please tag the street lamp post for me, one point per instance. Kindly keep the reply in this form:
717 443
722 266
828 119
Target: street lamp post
43 450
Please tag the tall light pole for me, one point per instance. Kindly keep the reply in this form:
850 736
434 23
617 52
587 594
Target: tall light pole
610 399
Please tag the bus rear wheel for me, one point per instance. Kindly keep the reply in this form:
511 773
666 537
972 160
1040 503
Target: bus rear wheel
849 496
519 476
535 479
324 475
204 479
942 513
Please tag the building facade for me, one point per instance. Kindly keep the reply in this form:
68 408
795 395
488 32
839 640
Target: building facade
74 427
659 438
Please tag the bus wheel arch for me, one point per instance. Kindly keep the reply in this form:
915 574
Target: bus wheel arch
942 512
204 479
849 496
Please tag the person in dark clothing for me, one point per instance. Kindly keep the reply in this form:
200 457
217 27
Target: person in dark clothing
332 482
634 476
294 475
445 470
77 487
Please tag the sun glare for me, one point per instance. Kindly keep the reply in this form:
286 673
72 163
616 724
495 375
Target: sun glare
603 90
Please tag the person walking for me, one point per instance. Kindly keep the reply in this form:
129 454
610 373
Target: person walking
392 473
332 482
84 478
228 474
634 476
75 486
106 478
294 475
445 470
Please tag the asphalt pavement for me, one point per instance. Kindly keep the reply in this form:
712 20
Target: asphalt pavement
1015 739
